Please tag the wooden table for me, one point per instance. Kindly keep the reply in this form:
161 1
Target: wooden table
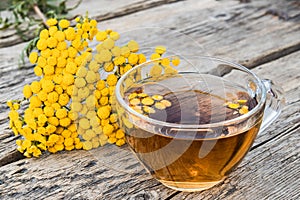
264 35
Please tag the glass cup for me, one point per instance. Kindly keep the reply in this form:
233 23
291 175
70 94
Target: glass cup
190 125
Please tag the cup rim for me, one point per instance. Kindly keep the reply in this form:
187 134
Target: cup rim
259 105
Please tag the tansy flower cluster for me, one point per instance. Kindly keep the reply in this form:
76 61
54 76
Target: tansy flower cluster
72 106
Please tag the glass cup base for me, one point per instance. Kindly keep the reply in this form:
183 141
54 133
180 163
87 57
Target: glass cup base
190 186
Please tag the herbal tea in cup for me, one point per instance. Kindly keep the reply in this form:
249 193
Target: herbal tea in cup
190 125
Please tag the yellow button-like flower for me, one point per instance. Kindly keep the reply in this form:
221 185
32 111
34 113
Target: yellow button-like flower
53 138
170 70
50 129
142 58
155 71
104 92
160 49
166 103
108 129
41 44
148 101
53 121
59 147
37 112
52 97
47 85
119 60
175 61
33 57
13 115
90 77
35 87
64 23
56 106
41 130
243 110
59 35
79 145
155 56
68 141
35 102
65 122
49 111
111 80
61 113
71 67
104 56
116 51
38 71
88 135
84 123
49 70
94 66
101 35
68 79
42 119
51 22
100 85
55 53
112 140
159 106
52 30
104 122
46 53
87 145
120 142
114 35
233 105
70 33
133 46
52 42
125 51
41 62
120 134
63 99
103 112
27 91
72 52
165 62
44 34
61 46
133 59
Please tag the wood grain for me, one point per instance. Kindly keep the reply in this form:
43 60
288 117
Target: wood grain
102 10
238 32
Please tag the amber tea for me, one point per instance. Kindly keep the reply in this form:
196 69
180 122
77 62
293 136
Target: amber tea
191 158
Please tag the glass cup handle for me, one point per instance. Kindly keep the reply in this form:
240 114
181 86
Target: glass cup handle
274 103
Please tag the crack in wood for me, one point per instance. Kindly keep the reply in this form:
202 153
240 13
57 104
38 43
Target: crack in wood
290 130
11 157
271 56
134 8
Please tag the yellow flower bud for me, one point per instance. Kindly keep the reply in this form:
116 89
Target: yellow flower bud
133 46
33 57
51 22
27 91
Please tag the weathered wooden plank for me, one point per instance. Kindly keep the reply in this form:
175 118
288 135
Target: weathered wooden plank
71 175
239 32
101 10
270 170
